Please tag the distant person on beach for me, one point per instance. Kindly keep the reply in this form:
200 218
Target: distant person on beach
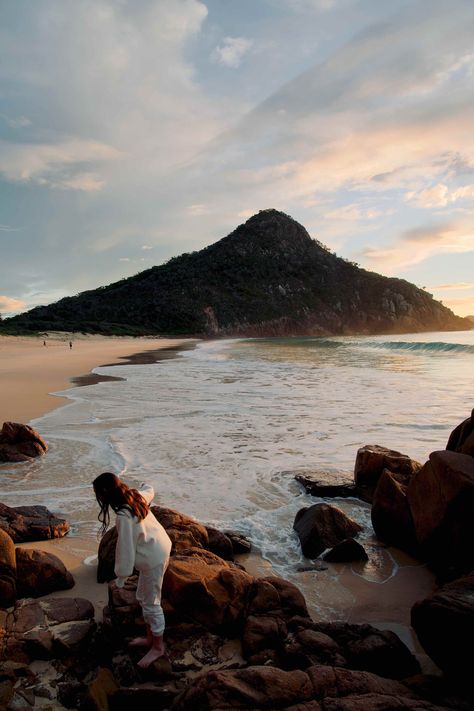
143 544
70 344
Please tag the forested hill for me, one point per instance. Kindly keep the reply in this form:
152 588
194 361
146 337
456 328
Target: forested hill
266 278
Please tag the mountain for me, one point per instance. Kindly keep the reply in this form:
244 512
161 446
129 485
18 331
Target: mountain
266 278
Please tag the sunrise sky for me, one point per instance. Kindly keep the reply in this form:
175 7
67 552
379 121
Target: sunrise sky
134 130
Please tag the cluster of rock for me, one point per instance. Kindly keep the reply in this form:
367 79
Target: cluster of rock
427 511
20 443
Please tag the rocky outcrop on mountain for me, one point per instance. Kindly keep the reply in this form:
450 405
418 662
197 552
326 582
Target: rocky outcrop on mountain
323 526
267 278
20 443
31 523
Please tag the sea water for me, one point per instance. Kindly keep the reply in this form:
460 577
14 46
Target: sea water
221 431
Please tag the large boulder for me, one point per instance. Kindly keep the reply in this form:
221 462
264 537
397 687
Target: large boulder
391 515
322 526
31 523
370 462
184 531
345 552
444 623
441 500
40 573
461 438
20 443
206 589
7 570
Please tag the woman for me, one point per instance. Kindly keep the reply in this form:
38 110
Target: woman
143 544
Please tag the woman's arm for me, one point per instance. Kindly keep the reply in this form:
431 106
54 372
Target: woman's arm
126 548
147 492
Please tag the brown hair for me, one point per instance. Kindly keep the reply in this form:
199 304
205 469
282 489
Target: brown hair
111 492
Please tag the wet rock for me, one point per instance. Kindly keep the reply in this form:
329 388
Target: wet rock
184 531
346 552
314 486
20 443
40 573
101 690
461 438
379 702
106 556
240 543
323 526
31 523
391 514
441 499
219 543
7 570
370 462
444 623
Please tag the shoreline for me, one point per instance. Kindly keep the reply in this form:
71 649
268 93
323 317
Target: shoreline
30 372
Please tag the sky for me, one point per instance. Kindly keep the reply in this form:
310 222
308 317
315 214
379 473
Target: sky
132 131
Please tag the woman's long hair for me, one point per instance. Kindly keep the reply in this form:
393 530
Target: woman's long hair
112 493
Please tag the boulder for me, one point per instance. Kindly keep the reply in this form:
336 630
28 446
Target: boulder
106 556
258 687
240 543
202 587
441 500
444 624
40 573
345 552
7 570
391 514
322 526
184 531
370 462
314 486
31 523
20 443
219 543
367 648
461 438
45 629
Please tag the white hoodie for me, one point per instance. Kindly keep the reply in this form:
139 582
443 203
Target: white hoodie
141 544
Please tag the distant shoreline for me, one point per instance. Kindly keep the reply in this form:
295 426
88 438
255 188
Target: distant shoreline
31 371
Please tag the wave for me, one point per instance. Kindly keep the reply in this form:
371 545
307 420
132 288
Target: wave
423 346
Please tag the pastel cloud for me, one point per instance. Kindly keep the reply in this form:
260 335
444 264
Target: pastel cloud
231 51
440 195
9 304
420 243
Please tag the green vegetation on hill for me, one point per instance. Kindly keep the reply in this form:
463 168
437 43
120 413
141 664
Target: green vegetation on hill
268 277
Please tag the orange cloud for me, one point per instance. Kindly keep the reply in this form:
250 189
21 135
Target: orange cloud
7 304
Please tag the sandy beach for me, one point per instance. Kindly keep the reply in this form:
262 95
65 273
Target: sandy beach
31 371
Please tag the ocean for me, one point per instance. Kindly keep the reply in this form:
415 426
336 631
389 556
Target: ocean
221 430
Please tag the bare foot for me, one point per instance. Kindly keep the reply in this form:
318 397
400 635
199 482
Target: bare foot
140 642
151 656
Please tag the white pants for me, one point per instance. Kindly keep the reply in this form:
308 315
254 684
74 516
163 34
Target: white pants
149 596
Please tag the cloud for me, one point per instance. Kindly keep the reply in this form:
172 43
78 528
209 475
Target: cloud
463 306
17 121
439 195
8 228
355 212
9 304
231 51
461 285
418 244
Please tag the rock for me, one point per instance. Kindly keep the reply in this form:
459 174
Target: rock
20 443
258 687
183 530
40 573
42 629
31 523
444 623
323 526
346 552
240 543
370 462
7 570
219 543
391 514
102 689
106 556
367 648
335 682
380 702
441 499
206 589
316 487
461 438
